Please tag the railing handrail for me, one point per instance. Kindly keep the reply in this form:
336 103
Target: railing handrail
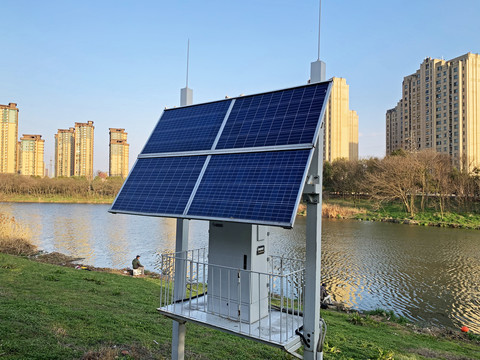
206 263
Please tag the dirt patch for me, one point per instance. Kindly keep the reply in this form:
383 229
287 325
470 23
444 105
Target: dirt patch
56 258
442 333
119 352
431 354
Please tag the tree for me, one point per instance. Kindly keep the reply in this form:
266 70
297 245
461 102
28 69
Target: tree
396 178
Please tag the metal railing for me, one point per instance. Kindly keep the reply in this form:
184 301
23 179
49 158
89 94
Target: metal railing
265 305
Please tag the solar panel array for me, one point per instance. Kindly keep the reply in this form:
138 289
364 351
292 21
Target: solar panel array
242 159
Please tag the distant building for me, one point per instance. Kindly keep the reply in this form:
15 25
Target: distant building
8 138
31 149
341 125
439 110
83 165
119 152
64 152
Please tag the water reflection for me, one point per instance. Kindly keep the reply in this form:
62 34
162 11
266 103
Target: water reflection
425 274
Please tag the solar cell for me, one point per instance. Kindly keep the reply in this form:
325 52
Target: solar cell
187 128
279 118
159 185
255 187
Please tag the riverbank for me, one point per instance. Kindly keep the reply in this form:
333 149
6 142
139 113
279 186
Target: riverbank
57 199
366 210
62 312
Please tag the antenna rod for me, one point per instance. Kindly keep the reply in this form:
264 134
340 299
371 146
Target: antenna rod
188 56
319 21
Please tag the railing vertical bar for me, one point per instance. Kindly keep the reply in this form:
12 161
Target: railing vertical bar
212 287
229 306
161 280
250 303
270 277
190 279
220 293
281 299
172 283
204 288
259 306
288 308
198 276
297 294
239 292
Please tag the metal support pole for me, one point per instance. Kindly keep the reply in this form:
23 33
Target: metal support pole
179 287
181 247
313 197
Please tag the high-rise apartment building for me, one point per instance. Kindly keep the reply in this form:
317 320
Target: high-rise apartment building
119 152
440 110
341 125
31 149
84 149
8 138
64 152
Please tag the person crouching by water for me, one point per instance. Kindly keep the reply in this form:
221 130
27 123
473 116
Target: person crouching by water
138 268
325 298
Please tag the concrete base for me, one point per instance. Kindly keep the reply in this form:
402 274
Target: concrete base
277 329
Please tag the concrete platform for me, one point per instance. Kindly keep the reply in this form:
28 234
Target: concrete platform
277 329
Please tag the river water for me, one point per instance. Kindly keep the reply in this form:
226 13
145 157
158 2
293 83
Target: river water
429 275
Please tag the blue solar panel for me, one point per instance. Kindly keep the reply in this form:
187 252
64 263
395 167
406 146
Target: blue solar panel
257 187
187 128
159 185
279 118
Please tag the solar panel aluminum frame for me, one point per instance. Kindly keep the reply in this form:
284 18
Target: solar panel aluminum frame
305 146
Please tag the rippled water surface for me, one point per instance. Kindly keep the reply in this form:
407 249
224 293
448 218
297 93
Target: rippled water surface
426 274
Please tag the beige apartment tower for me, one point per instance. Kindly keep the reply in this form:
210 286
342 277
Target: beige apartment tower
64 152
83 165
31 149
341 124
8 138
440 110
119 152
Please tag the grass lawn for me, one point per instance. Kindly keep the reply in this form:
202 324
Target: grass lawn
54 312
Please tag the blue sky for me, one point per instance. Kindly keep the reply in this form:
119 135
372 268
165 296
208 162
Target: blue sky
120 62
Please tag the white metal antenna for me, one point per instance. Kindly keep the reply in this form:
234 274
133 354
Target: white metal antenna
317 68
186 94
319 22
188 56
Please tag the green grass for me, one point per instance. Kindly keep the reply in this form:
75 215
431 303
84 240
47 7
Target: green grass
396 211
53 312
